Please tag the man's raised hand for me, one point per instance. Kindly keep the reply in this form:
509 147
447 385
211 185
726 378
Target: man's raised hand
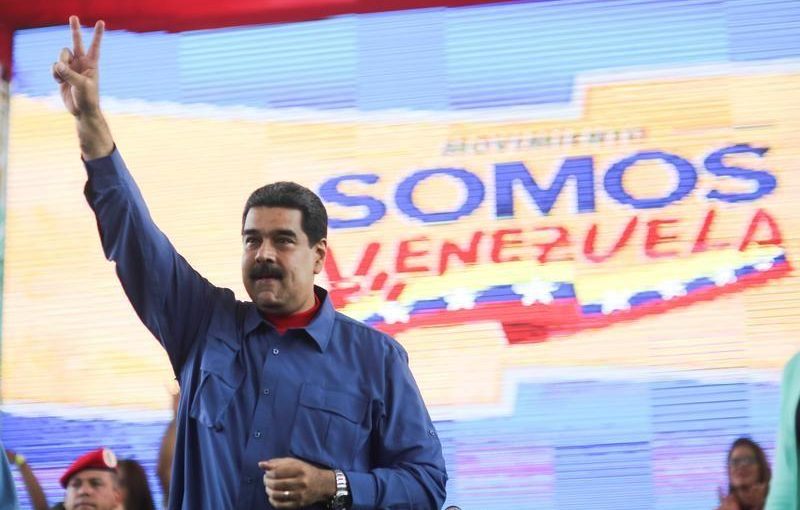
76 72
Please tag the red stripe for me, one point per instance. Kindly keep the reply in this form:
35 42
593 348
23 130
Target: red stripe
539 322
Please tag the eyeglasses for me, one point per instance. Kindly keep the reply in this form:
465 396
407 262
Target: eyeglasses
748 460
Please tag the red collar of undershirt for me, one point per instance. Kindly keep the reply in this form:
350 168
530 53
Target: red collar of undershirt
296 320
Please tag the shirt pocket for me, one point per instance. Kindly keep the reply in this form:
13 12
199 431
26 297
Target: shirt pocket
221 375
329 426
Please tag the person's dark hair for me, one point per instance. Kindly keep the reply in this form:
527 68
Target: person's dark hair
764 472
291 195
138 495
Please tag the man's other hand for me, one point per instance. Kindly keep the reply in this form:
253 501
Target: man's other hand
292 483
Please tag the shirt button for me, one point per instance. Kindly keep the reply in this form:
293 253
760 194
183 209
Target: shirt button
257 435
248 480
266 391
276 351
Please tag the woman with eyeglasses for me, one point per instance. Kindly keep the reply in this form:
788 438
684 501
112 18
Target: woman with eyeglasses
748 477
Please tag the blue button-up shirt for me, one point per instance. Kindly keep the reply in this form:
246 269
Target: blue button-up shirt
337 393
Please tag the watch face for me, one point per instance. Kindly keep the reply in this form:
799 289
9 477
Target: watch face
338 502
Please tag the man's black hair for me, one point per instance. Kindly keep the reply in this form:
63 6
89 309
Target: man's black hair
291 195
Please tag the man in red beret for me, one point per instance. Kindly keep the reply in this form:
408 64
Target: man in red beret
91 482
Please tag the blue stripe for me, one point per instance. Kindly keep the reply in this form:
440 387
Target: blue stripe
433 59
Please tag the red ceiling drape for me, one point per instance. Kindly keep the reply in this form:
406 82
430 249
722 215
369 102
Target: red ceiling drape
6 34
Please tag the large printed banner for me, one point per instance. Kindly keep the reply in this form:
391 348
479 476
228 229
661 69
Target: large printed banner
593 274
445 232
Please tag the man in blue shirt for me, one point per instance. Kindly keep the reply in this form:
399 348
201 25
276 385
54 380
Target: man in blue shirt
283 394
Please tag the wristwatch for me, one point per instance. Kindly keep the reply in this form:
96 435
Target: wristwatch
342 499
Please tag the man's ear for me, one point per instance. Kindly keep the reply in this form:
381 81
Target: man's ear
117 495
320 252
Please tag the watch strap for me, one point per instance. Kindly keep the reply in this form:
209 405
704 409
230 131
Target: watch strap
341 499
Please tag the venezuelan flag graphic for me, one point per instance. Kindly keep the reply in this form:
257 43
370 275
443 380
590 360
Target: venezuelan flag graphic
532 305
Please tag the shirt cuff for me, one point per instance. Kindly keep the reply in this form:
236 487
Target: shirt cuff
106 172
363 489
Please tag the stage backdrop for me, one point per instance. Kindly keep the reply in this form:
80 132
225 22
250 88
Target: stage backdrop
580 218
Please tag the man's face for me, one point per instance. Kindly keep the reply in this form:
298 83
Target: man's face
278 265
92 489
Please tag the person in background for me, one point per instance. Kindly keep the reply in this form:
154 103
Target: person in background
133 485
8 493
32 485
748 477
166 452
784 491
91 482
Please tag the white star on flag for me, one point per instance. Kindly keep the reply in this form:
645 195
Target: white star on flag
723 277
669 290
393 312
616 300
764 264
535 291
460 299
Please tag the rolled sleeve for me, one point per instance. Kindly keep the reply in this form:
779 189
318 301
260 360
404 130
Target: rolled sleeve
363 487
104 172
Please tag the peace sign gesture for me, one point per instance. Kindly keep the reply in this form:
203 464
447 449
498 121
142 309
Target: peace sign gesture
76 72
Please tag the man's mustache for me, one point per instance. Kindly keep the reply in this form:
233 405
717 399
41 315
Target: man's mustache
265 271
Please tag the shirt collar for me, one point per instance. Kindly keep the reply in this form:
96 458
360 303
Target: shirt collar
319 329
321 326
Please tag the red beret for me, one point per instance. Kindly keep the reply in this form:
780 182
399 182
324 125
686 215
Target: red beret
102 458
